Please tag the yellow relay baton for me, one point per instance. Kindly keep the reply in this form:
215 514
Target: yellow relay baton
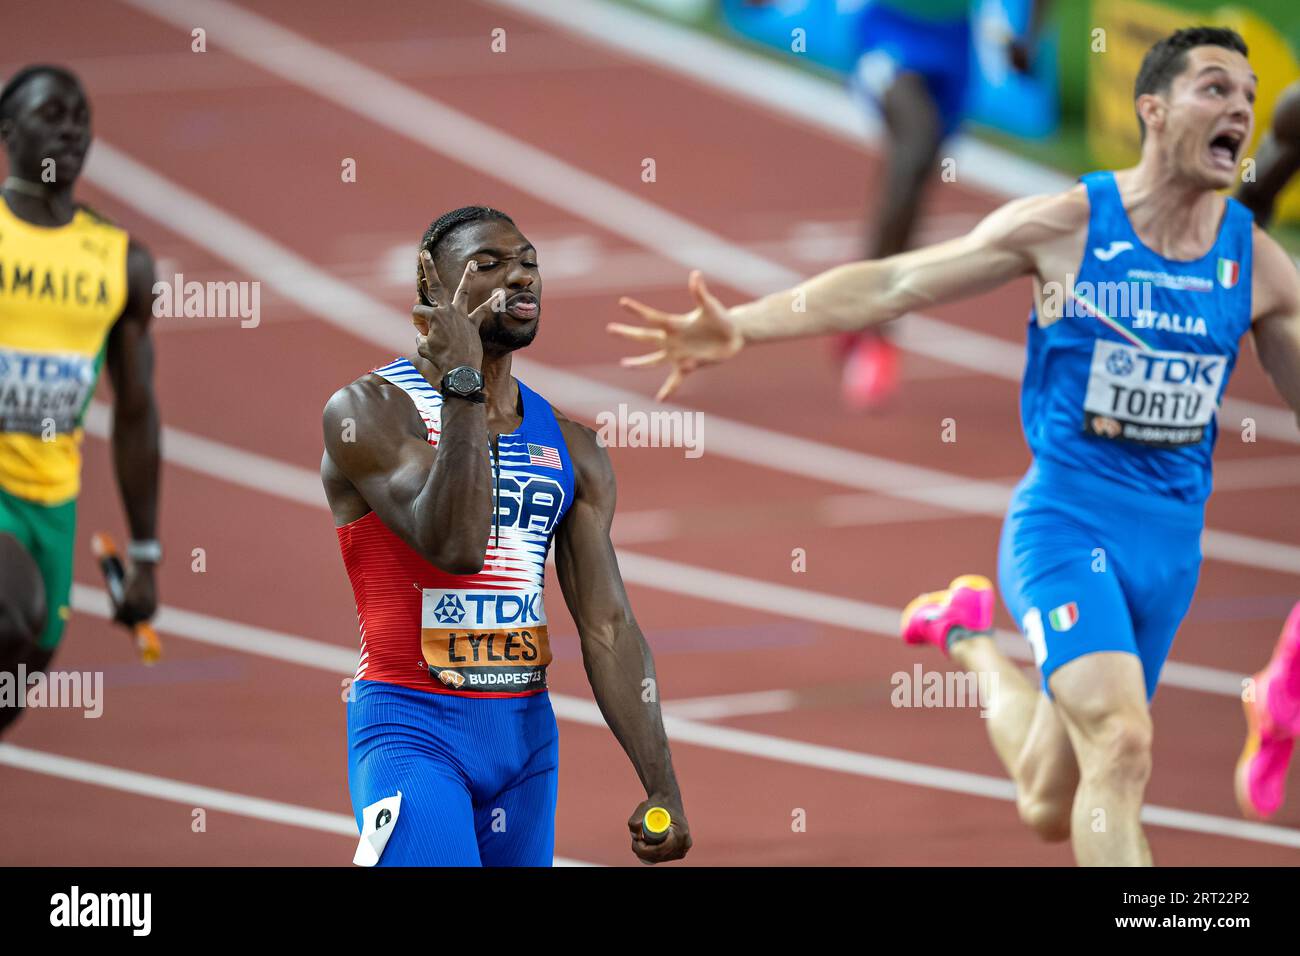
147 644
655 824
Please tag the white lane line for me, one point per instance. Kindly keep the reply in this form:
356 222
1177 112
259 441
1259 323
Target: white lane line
318 292
340 304
823 103
310 653
262 474
725 706
707 584
459 137
202 454
189 794
1245 474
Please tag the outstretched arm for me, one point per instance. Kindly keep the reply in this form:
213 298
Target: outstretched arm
129 360
1275 288
851 297
618 662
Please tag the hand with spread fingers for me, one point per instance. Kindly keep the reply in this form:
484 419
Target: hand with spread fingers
448 331
704 336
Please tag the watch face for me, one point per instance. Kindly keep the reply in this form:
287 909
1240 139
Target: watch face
464 380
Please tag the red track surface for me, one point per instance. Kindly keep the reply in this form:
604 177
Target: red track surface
269 153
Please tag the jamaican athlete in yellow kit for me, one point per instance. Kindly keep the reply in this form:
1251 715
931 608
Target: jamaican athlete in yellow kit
61 291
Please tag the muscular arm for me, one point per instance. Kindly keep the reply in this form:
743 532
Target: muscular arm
860 294
1276 293
134 441
1277 159
135 413
618 661
439 501
1039 235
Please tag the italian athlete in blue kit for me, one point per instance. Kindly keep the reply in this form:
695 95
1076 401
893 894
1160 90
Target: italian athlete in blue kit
1144 281
448 480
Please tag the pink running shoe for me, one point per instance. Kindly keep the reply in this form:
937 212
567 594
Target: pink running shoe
870 374
967 603
1271 729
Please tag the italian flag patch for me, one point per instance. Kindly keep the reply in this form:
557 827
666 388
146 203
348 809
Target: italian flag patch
1229 273
1064 617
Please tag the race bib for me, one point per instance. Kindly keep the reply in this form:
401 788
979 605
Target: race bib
1151 398
485 640
42 393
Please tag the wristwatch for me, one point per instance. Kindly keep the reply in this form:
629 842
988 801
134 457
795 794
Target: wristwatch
464 381
145 552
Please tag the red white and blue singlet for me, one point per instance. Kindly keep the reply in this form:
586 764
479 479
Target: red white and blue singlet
453 746
479 633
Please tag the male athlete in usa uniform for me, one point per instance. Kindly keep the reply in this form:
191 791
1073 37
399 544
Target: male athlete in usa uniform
1100 549
448 480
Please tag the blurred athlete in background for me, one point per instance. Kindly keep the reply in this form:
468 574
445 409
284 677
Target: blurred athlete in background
76 292
1273 709
915 71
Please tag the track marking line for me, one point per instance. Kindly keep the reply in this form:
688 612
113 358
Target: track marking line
465 140
319 293
189 794
336 660
821 103
725 706
345 307
262 474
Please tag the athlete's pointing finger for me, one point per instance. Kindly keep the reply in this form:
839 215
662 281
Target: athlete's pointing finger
432 285
461 301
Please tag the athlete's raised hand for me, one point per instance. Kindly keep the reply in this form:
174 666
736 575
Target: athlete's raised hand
672 847
447 331
704 336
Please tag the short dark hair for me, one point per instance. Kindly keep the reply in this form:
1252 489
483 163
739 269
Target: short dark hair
448 223
19 80
1168 57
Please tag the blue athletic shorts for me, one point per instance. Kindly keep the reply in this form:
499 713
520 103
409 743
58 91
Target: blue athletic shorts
1086 565
478 776
893 43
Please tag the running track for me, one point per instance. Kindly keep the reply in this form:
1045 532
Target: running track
227 163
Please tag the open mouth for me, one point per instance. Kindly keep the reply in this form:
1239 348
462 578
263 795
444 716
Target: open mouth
523 306
1225 146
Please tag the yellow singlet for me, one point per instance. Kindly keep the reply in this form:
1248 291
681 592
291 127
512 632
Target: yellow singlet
61 290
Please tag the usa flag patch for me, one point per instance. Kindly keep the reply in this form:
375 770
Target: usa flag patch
544 456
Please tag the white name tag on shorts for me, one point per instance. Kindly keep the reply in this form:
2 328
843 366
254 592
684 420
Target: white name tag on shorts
1149 397
377 822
